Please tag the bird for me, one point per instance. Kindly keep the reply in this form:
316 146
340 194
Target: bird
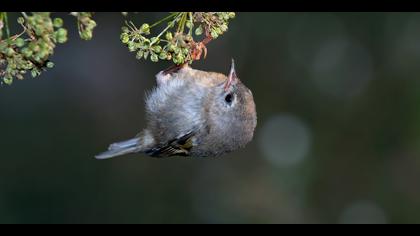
193 113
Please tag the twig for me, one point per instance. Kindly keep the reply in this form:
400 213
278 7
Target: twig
167 27
164 19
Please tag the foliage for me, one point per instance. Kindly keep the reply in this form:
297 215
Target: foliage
176 41
85 24
30 50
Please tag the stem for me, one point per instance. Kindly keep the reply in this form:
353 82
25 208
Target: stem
182 23
18 35
131 26
184 20
164 19
134 26
79 28
24 15
192 23
6 24
167 27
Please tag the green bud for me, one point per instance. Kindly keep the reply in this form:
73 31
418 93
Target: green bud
42 54
20 42
91 24
39 31
138 45
146 54
154 57
131 46
9 52
224 16
125 29
48 25
145 28
168 36
61 35
214 34
50 64
8 80
62 39
189 24
139 54
28 65
157 49
172 47
175 60
231 15
154 40
44 14
12 66
180 58
31 21
37 58
86 35
162 56
32 46
61 32
146 41
125 38
58 22
34 73
27 52
185 51
20 20
199 30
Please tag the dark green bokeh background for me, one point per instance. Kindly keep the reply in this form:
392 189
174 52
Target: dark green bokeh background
337 141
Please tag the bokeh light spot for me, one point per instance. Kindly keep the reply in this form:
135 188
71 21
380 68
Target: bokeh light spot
284 140
363 212
341 68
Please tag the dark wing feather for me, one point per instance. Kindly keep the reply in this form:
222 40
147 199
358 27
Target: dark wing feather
180 146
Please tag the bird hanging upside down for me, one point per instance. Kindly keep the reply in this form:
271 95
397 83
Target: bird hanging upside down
193 113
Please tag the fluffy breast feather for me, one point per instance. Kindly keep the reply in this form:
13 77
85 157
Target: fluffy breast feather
175 108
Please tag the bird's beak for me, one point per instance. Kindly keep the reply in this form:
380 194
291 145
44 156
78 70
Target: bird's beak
232 78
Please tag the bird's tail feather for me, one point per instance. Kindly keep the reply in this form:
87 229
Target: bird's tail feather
124 144
121 148
142 142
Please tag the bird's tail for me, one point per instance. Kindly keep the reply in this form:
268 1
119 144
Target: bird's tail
135 145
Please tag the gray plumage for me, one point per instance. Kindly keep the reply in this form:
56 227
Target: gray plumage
193 113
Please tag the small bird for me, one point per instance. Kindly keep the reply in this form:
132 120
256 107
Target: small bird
193 113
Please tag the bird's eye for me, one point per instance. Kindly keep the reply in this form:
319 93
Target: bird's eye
229 98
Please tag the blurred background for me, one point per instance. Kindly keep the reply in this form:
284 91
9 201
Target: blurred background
337 140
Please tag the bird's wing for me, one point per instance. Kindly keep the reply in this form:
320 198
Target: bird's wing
180 146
